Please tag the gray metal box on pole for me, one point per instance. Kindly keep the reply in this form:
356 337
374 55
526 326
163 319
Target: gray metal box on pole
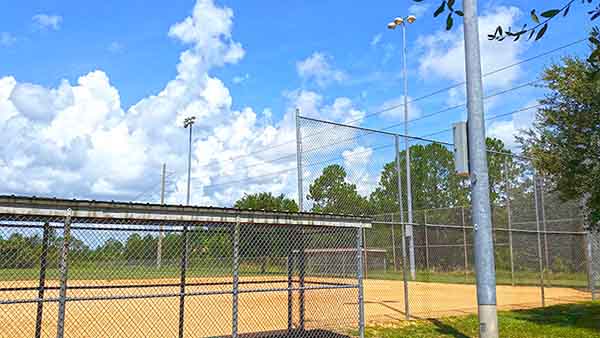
461 148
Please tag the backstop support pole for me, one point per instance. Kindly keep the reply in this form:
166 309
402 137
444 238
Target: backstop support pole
426 241
301 275
42 280
539 239
509 224
466 252
394 244
591 270
63 271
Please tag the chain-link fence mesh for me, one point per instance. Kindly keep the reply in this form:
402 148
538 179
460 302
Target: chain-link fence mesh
540 243
97 277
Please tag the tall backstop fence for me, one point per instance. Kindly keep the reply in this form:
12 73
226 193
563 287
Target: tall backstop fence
423 239
103 269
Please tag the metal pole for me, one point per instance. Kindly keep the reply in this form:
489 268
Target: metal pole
299 162
160 227
509 222
42 280
290 282
394 244
481 214
301 275
591 274
366 258
63 270
543 208
539 238
466 252
236 280
189 178
404 260
426 241
182 277
409 227
361 300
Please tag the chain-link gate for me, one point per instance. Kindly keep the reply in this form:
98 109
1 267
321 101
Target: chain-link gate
103 269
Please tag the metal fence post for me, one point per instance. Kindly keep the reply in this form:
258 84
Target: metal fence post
366 258
509 223
42 280
183 270
236 280
591 270
466 253
426 241
301 275
404 260
290 280
394 244
539 238
361 299
63 271
545 229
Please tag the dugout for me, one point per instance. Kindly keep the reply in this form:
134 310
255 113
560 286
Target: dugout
80 268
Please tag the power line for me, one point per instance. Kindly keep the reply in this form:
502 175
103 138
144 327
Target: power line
493 117
502 92
420 98
253 178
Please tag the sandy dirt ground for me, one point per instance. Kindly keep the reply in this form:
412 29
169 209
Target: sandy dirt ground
210 315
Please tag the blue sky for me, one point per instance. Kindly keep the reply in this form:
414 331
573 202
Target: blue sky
257 61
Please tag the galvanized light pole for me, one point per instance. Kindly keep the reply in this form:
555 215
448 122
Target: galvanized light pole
480 198
189 122
409 226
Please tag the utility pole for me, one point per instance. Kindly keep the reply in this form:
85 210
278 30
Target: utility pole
162 201
481 210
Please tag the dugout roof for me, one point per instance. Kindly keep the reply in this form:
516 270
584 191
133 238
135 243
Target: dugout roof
117 212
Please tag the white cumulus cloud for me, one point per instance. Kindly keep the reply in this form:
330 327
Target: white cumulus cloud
318 67
444 51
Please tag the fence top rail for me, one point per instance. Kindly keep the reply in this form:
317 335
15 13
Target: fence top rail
116 212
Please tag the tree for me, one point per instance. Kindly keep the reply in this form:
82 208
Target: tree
565 138
434 184
260 243
331 193
535 31
266 201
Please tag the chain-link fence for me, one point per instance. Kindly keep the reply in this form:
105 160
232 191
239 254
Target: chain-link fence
97 269
422 222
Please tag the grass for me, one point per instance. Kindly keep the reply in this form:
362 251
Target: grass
580 320
576 280
215 267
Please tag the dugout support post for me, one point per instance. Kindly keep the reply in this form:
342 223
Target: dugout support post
42 280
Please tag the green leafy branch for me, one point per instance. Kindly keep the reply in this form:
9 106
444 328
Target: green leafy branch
447 5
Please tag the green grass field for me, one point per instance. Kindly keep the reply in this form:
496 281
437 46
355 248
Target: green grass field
576 280
561 321
104 271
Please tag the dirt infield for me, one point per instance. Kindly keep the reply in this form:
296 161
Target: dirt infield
210 315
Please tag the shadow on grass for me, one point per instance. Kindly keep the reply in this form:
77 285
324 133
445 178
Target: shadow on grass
582 315
446 329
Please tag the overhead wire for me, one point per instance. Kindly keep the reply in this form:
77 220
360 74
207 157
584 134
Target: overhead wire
436 92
